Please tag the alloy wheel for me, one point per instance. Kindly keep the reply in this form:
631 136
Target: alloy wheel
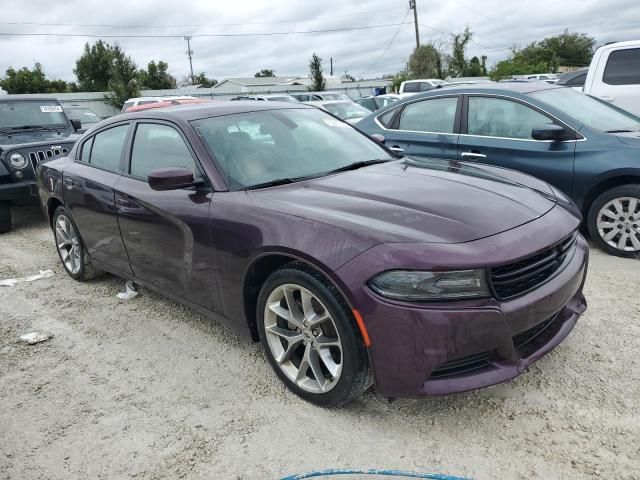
619 224
303 338
68 244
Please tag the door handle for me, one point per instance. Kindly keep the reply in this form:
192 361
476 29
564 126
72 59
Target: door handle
472 155
68 181
396 148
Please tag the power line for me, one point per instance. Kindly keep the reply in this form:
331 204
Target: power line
102 25
388 44
254 34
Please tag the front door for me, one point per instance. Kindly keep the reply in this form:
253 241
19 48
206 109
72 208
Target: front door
166 233
89 195
426 128
498 132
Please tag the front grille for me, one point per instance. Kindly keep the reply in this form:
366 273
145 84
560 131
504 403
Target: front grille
518 278
462 365
36 156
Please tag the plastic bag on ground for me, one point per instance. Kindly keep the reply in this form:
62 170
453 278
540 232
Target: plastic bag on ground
130 291
11 282
35 337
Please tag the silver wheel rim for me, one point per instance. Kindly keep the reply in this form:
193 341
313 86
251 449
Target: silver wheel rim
303 338
619 224
68 244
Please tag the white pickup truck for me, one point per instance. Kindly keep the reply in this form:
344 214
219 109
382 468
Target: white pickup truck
614 75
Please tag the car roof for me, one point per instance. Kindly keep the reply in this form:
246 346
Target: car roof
493 87
9 98
186 113
327 102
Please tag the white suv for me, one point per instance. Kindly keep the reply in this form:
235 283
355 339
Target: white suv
614 75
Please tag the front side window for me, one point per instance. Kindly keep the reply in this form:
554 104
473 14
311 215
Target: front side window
496 117
257 147
159 146
436 115
86 150
107 148
623 67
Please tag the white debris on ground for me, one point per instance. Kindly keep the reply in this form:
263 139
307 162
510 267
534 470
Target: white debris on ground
149 389
12 282
35 337
130 291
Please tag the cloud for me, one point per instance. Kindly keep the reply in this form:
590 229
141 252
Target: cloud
497 25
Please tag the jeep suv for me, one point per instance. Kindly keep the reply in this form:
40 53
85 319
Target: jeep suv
31 130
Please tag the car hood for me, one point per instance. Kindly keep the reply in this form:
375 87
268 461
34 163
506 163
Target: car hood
37 137
416 201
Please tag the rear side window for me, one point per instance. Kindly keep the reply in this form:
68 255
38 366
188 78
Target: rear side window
107 148
159 146
411 87
437 115
623 67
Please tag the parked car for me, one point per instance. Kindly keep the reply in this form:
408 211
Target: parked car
614 75
31 130
316 96
585 147
542 77
422 85
134 102
87 117
346 110
574 79
298 230
376 103
267 98
168 103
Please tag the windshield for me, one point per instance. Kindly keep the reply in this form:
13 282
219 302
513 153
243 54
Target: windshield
335 96
258 147
84 114
282 99
347 110
31 113
589 111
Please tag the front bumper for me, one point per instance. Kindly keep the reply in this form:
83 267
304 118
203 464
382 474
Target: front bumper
449 347
19 192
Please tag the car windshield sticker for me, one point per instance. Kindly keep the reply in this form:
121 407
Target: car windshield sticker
50 108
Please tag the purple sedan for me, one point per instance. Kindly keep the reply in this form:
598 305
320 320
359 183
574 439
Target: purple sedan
351 265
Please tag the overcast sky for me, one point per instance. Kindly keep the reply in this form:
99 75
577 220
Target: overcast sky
497 25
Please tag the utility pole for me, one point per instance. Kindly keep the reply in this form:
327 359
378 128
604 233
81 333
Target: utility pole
414 7
190 53
331 59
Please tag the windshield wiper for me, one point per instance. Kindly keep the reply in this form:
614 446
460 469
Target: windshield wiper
619 131
357 165
271 183
34 127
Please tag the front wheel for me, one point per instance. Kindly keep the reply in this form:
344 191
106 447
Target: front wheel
614 221
310 337
5 217
71 249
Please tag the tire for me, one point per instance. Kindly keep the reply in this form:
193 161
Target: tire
5 217
333 346
70 247
619 207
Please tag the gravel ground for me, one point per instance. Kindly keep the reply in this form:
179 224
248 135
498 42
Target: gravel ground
146 388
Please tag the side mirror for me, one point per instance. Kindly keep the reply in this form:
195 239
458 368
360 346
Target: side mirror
549 131
172 178
75 123
378 138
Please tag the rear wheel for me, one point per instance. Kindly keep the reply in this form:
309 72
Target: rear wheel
614 221
71 249
5 217
310 337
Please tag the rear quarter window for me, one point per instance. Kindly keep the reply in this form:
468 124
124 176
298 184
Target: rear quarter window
623 67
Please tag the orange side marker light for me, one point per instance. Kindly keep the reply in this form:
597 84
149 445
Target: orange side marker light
363 329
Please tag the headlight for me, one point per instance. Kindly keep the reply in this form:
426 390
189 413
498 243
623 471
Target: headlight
18 161
415 285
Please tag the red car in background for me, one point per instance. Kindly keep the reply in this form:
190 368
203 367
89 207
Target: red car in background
167 103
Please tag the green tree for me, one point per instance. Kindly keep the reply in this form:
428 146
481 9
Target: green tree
93 67
318 82
156 77
397 79
123 78
425 62
265 73
457 62
33 80
474 68
202 80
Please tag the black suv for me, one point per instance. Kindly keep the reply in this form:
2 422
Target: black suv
31 130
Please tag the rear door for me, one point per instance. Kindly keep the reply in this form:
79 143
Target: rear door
89 194
497 130
619 81
166 233
426 128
